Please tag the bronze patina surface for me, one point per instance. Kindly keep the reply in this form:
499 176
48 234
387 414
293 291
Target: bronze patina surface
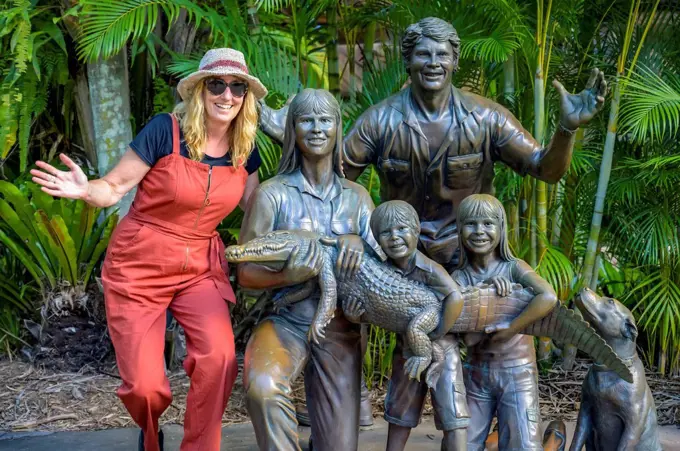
615 413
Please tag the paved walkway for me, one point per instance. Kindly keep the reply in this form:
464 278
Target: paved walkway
237 438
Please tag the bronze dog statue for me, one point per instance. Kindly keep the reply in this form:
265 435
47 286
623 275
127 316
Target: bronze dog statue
615 414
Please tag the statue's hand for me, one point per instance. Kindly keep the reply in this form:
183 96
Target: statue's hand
579 109
353 310
502 284
500 332
300 270
350 254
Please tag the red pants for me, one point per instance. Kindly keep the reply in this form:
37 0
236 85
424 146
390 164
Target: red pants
137 328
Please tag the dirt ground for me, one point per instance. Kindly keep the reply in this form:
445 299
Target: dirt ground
69 383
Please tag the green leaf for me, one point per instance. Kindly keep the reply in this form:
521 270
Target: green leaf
29 240
102 243
23 257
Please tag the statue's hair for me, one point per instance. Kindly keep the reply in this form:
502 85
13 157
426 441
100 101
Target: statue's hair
393 213
434 28
241 132
484 206
317 101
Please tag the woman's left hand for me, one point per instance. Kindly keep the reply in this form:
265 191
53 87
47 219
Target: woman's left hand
350 255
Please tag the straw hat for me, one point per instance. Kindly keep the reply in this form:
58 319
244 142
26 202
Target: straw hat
221 62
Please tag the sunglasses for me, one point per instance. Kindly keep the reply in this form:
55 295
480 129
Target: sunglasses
217 86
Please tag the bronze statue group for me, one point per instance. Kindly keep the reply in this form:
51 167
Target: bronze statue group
432 262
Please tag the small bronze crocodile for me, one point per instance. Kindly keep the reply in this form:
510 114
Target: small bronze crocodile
398 304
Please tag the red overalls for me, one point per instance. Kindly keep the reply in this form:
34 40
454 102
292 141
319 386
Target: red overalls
166 254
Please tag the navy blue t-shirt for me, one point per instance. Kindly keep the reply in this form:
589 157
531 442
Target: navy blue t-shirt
155 142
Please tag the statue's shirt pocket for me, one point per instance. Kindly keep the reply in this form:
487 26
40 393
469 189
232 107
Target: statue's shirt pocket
462 171
398 172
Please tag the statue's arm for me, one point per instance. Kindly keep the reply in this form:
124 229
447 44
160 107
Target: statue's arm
259 219
520 151
361 144
544 301
273 122
515 146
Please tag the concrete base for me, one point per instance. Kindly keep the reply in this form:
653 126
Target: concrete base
240 437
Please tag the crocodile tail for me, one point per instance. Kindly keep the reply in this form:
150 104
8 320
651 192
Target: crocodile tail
565 326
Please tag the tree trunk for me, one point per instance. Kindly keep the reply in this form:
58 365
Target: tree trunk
369 40
84 113
332 50
182 34
509 81
110 94
602 183
81 92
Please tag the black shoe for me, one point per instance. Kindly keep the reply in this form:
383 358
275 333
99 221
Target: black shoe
140 443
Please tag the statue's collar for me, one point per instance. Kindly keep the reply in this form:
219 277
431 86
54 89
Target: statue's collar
458 103
297 180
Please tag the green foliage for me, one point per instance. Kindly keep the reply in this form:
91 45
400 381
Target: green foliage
378 357
54 239
651 108
31 37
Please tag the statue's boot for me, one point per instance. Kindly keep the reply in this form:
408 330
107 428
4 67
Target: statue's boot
365 408
555 436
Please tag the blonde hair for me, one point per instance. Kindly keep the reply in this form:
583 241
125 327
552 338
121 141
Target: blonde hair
241 133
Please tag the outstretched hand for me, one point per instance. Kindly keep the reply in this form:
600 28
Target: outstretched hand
579 109
72 184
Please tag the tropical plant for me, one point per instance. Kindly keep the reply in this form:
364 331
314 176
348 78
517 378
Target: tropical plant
33 67
57 241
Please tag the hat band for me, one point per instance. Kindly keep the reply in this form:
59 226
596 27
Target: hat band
226 63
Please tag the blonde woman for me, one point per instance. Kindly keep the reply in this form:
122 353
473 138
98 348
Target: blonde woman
191 169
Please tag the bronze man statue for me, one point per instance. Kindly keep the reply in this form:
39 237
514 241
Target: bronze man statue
309 193
433 145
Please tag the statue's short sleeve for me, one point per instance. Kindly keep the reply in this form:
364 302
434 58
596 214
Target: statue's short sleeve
361 142
260 215
512 143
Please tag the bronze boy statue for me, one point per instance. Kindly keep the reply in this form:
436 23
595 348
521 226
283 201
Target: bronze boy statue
500 372
396 226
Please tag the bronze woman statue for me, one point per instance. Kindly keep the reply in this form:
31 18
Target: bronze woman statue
310 193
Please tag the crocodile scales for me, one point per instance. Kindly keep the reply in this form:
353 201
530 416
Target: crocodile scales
407 307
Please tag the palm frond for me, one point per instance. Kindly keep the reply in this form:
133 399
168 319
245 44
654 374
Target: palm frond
650 108
495 47
107 25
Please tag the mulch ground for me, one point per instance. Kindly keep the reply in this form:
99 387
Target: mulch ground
68 381
34 397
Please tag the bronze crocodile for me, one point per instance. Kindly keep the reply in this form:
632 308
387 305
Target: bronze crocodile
398 304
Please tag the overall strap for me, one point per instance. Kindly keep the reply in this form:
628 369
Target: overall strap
175 134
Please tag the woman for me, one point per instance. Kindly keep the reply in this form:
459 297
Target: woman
191 169
310 193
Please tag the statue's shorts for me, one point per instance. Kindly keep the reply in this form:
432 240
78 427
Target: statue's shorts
406 397
511 394
277 352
